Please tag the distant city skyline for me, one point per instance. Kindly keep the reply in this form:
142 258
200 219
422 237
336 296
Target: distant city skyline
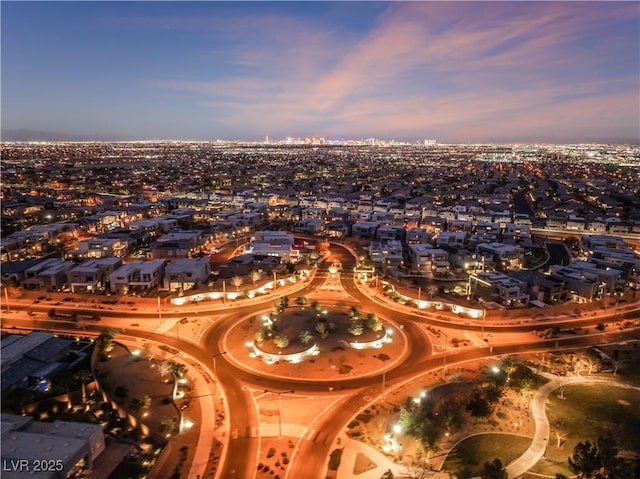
458 72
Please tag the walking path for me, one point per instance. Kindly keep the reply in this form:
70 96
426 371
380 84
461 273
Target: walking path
540 441
382 462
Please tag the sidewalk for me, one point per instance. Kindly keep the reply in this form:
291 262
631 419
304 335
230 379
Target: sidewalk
205 391
352 448
540 441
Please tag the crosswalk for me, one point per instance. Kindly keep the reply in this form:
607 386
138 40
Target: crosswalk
290 430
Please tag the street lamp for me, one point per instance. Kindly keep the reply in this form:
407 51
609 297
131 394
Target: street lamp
215 371
6 295
215 385
384 359
280 407
444 356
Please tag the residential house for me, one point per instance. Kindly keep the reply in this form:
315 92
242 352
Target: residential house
137 276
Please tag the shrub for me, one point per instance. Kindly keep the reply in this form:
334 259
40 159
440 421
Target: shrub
334 459
364 417
271 452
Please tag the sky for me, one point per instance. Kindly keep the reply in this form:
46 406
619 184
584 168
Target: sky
457 72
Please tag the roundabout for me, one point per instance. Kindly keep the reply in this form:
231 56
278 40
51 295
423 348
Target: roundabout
304 345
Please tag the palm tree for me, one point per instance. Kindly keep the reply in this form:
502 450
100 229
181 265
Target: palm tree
509 367
321 328
83 376
305 337
281 342
137 405
354 312
255 276
237 282
316 307
356 329
167 425
374 323
301 301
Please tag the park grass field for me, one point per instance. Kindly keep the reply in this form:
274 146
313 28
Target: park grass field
471 453
587 412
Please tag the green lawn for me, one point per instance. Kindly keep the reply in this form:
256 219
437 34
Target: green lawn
471 453
629 372
589 411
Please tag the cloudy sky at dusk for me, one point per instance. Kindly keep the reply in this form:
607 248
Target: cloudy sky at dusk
454 71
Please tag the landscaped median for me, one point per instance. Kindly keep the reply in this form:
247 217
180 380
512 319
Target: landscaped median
329 341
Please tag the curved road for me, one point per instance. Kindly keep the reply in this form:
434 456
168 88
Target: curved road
309 459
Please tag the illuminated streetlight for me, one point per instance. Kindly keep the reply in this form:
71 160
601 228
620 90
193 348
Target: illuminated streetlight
215 385
280 407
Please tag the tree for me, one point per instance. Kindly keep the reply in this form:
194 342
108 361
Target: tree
83 376
302 301
409 420
563 380
255 276
305 337
321 328
431 290
493 393
478 406
281 305
373 323
616 363
509 367
237 282
354 312
494 470
167 425
584 460
315 306
451 415
281 341
146 402
387 474
121 392
137 405
105 340
178 369
284 302
527 387
356 329
558 430
259 337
